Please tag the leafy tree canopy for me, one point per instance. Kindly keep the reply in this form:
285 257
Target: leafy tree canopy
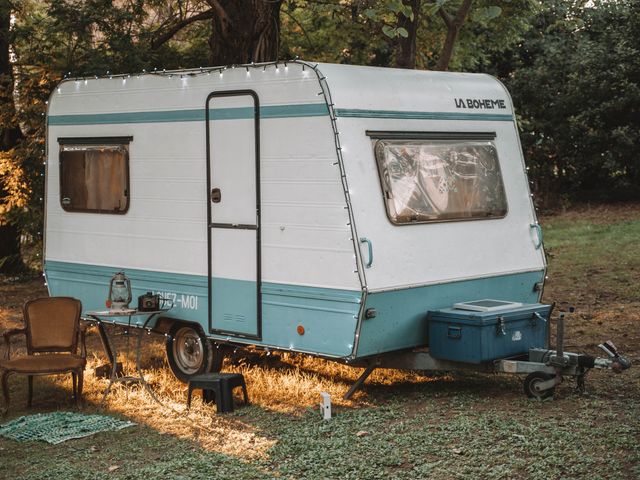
575 81
573 68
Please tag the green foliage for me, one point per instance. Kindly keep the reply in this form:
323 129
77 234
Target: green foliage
575 81
367 33
338 32
392 32
486 14
490 31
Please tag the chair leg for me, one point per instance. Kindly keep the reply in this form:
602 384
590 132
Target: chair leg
30 394
244 392
80 376
5 389
189 392
74 381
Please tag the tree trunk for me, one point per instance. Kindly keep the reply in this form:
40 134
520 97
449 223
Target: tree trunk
453 29
406 50
9 133
245 31
10 260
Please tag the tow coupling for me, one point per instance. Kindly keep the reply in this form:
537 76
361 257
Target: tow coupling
547 368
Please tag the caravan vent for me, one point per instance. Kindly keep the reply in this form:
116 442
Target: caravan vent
230 318
486 305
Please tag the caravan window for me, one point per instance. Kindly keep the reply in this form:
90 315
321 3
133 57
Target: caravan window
94 177
440 179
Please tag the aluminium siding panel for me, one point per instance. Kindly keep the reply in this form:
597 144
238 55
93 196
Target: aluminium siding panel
301 188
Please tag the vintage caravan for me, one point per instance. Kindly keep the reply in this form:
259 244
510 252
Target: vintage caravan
314 208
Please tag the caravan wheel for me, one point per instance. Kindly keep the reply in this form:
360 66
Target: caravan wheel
188 352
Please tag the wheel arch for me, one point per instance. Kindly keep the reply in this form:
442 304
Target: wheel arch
165 324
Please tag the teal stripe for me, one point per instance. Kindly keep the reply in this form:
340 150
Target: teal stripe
405 115
329 316
128 117
194 115
186 283
98 271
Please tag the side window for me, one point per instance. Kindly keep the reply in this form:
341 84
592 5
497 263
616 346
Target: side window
431 179
94 174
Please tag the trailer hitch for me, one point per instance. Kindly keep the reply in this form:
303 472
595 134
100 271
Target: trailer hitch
615 362
546 368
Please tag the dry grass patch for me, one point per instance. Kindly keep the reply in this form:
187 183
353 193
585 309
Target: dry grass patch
283 383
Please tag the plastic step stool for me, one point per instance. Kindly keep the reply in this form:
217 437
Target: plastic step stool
218 387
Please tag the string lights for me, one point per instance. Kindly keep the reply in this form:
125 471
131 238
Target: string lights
324 92
279 67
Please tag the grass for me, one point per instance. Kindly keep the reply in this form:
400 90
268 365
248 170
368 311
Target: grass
402 426
600 261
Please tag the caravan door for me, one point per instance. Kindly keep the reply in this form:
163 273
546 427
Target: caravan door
233 211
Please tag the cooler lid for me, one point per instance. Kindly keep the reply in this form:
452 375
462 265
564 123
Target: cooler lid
489 317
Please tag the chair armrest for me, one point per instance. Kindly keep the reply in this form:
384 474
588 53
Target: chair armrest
7 336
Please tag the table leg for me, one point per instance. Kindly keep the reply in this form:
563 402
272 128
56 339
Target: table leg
112 353
139 363
106 345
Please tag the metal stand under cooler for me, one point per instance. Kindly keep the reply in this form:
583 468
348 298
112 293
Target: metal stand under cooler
464 335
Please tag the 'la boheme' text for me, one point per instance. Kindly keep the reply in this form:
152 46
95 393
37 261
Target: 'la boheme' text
480 103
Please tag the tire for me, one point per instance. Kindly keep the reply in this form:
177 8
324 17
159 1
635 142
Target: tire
188 352
534 379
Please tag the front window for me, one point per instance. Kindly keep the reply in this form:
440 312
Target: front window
432 180
94 175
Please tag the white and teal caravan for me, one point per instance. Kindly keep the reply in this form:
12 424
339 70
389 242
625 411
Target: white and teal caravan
313 208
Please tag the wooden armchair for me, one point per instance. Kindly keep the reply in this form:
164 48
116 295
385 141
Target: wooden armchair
53 331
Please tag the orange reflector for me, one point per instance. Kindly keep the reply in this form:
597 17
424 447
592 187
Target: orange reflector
300 330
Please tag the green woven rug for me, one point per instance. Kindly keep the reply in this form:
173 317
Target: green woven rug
58 427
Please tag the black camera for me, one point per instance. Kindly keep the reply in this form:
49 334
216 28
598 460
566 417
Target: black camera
148 302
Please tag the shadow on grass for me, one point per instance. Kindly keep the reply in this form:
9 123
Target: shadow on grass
141 452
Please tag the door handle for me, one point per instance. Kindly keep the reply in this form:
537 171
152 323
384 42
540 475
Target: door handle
370 249
216 195
536 226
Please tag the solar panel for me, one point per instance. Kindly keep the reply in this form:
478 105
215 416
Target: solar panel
486 305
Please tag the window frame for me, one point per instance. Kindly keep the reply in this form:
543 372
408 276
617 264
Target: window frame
378 135
93 141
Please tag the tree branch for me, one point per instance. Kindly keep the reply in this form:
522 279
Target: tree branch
453 28
406 46
304 32
176 27
446 17
463 11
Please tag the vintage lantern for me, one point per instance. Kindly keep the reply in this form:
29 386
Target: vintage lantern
119 292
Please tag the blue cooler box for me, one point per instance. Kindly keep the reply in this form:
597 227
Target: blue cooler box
476 337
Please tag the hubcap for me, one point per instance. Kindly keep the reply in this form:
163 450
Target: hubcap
187 350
